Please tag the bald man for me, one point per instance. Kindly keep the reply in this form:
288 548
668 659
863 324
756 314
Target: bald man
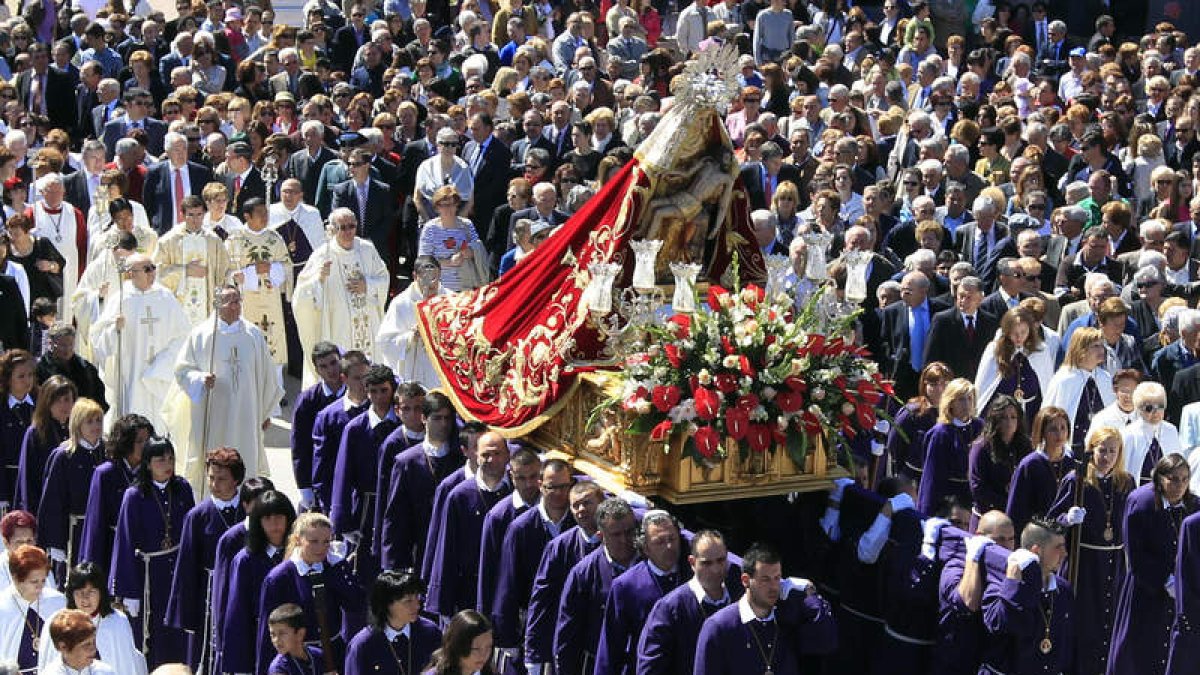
960 626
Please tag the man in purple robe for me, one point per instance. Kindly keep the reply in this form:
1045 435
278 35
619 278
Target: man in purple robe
469 442
960 635
524 542
633 594
1185 635
406 484
228 546
668 641
775 622
353 509
190 605
585 591
453 577
560 556
125 442
410 406
525 472
327 361
1028 614
331 421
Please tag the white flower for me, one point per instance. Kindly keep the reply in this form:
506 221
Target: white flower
818 394
730 361
684 412
847 409
768 393
643 407
704 377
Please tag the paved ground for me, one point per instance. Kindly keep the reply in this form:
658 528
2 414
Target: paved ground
279 455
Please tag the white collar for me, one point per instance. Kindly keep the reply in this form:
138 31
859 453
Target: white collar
482 486
519 501
697 590
1041 450
160 486
961 424
245 174
373 420
304 568
13 400
329 392
1052 585
271 549
391 633
229 328
414 435
347 404
541 508
468 472
222 504
746 614
84 443
655 570
433 451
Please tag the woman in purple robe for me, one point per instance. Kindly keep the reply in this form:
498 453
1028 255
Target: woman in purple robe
994 456
947 446
1035 482
1101 563
25 606
126 440
17 394
149 527
399 640
906 438
49 429
1154 514
228 546
1017 364
1185 640
271 518
318 580
71 465
466 647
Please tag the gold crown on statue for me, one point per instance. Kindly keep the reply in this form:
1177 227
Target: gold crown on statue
710 80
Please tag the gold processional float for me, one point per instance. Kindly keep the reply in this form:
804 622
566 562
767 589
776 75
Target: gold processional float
650 343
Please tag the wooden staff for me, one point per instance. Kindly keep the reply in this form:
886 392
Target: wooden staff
1080 478
120 313
212 353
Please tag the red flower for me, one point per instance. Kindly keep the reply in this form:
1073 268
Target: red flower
708 403
666 397
811 423
707 441
755 295
727 344
789 401
716 295
747 402
737 423
660 431
816 344
673 354
866 417
760 437
778 434
744 366
683 324
726 382
450 244
795 384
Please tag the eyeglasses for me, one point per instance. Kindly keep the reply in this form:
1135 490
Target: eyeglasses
146 268
752 100
348 227
447 144
1036 207
209 120
1147 284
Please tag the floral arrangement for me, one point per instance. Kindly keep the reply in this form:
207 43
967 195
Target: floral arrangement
754 369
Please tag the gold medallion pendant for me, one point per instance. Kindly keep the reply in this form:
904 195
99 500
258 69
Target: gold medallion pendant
1046 645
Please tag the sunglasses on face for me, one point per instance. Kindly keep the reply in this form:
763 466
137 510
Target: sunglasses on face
1150 408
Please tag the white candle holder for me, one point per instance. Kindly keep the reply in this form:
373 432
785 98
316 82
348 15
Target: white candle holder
684 299
645 256
817 242
856 275
599 292
778 267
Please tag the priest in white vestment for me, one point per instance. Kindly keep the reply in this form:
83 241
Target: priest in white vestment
398 343
135 341
100 283
62 224
122 218
229 381
341 292
193 261
300 225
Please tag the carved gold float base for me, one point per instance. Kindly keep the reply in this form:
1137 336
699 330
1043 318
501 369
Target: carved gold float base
619 460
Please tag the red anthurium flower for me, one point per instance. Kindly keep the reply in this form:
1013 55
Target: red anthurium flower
708 403
789 401
744 366
760 437
795 384
737 423
816 343
726 382
727 344
747 402
673 354
866 417
707 441
812 425
666 397
715 295
682 323
661 431
778 434
840 382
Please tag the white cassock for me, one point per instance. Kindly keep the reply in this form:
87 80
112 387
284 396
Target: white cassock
62 230
138 363
307 217
115 647
243 395
1137 438
100 282
987 376
398 343
328 311
1066 388
13 611
94 668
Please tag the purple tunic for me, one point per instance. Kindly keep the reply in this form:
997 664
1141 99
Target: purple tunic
1024 378
228 546
1034 486
32 466
109 483
191 593
14 422
453 577
354 479
1145 612
495 525
908 600
370 654
1185 635
561 555
60 517
437 515
138 555
286 665
520 552
988 480
906 440
668 641
803 625
327 438
285 584
308 404
630 599
960 631
239 647
407 502
1101 567
1014 613
947 447
581 613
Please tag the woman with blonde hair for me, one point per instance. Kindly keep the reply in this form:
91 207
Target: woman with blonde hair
1036 478
1082 387
448 237
1017 363
1099 519
947 447
906 438
216 220
72 464
1149 438
1146 158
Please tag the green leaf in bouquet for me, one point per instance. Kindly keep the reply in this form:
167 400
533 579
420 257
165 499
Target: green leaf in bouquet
797 446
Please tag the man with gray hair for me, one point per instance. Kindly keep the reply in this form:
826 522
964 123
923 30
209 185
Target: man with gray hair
765 226
977 242
82 185
1153 235
958 336
763 178
170 181
1172 369
957 163
61 359
904 331
1053 58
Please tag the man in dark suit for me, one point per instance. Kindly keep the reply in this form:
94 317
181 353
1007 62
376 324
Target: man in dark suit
763 178
349 38
1010 289
1185 388
86 99
1052 59
243 180
491 165
977 242
45 90
558 132
1093 257
370 200
305 165
82 185
958 336
533 123
904 328
138 103
170 181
